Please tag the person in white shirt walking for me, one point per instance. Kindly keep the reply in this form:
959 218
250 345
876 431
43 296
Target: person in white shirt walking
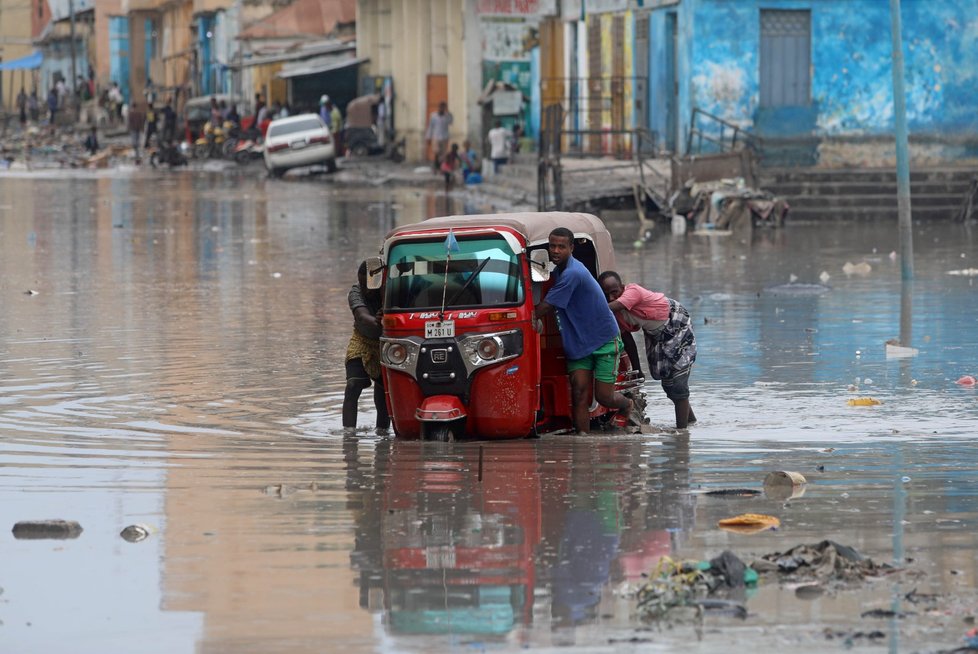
499 145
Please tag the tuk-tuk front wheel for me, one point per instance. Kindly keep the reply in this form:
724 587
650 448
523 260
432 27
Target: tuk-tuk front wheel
442 432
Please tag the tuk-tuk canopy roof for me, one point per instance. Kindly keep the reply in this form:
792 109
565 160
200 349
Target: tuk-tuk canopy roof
534 226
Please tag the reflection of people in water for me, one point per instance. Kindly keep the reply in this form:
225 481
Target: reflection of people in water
587 547
623 518
661 514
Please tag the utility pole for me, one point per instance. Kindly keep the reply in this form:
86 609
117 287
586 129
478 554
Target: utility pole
902 157
74 72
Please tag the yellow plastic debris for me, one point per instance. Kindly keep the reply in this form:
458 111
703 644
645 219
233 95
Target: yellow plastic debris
863 401
749 523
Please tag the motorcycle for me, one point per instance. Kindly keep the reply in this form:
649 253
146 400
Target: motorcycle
247 150
168 153
460 354
211 142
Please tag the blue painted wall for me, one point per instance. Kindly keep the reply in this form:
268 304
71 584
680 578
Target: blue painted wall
205 36
718 64
119 53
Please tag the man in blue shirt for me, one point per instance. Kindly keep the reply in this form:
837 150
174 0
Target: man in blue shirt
588 331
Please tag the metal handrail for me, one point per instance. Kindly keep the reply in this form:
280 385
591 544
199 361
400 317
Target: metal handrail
738 133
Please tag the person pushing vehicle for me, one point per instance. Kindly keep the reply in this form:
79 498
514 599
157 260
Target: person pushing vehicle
588 330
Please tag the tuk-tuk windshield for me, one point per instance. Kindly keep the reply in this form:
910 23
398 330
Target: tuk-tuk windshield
484 272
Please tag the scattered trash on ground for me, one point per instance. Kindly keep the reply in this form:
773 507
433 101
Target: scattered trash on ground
136 533
850 637
40 529
749 523
676 584
863 401
861 268
784 485
733 492
896 350
885 613
796 289
283 490
824 561
709 585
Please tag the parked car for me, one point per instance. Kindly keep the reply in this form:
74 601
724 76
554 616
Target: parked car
302 140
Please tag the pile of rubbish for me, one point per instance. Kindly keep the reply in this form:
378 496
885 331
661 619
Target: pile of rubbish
825 561
728 204
720 584
44 147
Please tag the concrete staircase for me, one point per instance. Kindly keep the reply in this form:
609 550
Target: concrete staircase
820 194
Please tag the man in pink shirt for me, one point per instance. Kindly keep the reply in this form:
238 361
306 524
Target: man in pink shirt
669 341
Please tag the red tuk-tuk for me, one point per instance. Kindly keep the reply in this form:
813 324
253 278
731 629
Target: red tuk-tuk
460 354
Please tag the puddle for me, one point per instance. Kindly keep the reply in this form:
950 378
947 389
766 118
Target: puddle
182 356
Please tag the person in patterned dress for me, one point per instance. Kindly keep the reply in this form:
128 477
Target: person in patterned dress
363 352
670 345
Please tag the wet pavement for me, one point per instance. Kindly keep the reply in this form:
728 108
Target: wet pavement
179 366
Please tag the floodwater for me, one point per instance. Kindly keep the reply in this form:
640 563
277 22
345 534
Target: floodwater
180 366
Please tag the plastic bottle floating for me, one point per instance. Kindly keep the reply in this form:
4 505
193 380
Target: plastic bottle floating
864 401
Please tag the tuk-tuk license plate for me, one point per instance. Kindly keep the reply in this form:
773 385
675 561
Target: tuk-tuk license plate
439 329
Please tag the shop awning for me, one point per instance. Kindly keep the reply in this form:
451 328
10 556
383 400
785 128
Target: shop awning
24 63
320 65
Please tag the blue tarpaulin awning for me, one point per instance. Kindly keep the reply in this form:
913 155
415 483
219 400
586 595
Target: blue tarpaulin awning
24 63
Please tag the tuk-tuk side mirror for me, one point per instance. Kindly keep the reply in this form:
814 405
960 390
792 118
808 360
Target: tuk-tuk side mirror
375 273
539 265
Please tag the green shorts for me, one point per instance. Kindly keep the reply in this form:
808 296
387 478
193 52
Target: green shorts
603 361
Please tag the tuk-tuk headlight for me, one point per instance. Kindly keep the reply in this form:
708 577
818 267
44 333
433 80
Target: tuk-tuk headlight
484 349
400 353
489 348
396 354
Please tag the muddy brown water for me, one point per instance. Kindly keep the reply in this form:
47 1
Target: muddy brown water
180 366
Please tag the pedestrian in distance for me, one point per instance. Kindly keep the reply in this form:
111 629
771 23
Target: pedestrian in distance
363 351
471 165
53 105
22 106
137 122
670 345
450 164
169 117
115 102
33 106
152 117
91 141
438 133
500 139
588 331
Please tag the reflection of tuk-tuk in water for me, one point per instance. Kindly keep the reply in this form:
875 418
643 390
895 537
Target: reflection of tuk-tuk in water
450 556
360 131
460 353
